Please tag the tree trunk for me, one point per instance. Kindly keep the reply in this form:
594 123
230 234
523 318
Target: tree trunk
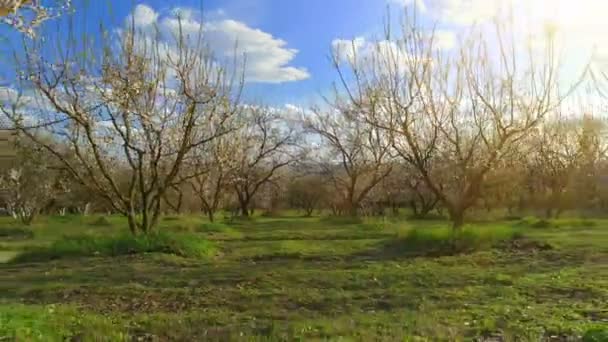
132 223
308 212
210 215
353 210
395 208
244 208
414 208
549 213
457 218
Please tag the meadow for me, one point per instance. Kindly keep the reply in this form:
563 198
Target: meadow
312 279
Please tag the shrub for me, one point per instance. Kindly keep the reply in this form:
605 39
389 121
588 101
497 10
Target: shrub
185 245
15 233
444 240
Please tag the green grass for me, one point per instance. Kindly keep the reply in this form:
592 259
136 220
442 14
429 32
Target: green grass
15 233
55 323
185 245
443 240
291 278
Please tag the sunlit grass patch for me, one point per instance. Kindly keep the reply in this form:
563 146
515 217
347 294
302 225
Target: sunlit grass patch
440 240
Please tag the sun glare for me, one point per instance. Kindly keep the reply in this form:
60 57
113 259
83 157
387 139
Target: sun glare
581 15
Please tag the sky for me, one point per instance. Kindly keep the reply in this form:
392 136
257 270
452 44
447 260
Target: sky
288 42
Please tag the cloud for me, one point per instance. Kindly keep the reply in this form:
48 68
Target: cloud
8 95
577 27
467 12
143 16
267 59
346 50
361 50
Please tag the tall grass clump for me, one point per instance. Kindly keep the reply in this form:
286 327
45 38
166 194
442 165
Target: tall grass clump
444 240
540 223
184 245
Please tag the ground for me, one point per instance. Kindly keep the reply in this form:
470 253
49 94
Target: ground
293 278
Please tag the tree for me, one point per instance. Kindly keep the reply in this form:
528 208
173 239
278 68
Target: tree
421 199
551 165
130 117
355 155
215 167
26 15
563 164
32 181
266 145
307 193
453 116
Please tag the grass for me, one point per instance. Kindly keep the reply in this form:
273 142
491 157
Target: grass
443 240
185 245
55 323
15 233
294 278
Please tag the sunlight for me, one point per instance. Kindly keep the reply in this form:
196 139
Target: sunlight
568 14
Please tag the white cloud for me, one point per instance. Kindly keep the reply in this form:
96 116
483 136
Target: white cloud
467 12
143 16
346 50
267 58
363 51
8 95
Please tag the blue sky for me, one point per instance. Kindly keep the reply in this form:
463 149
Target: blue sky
288 42
308 26
302 29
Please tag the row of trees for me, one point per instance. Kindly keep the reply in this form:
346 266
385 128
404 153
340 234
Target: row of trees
560 168
148 127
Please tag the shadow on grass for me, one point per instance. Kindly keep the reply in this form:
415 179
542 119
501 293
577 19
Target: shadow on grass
15 233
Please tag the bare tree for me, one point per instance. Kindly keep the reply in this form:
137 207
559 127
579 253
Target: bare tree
215 167
27 15
563 164
130 117
266 144
356 154
453 116
307 193
31 181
